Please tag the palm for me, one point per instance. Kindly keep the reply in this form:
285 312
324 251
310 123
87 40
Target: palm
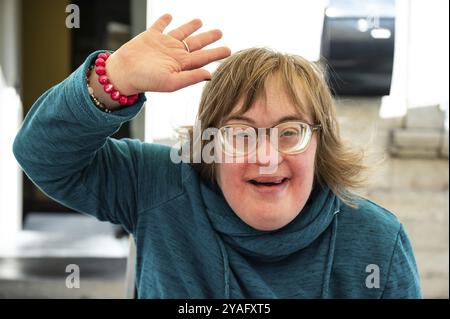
161 63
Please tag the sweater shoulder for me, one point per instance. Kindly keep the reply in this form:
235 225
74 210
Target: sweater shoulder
369 218
368 239
366 234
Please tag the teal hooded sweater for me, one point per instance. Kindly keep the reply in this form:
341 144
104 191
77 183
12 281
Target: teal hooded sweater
190 244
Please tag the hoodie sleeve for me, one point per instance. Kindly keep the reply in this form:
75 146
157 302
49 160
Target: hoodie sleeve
403 279
64 147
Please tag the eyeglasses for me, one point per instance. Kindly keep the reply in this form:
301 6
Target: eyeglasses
288 137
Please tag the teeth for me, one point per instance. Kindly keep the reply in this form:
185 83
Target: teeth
262 180
267 181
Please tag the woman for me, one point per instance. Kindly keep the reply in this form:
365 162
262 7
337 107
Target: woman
271 216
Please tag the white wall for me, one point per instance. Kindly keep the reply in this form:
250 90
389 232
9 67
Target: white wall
11 110
421 59
429 52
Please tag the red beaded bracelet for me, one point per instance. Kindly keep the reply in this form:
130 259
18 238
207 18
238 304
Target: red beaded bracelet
100 69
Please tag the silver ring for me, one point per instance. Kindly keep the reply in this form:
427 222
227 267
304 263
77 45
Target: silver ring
186 46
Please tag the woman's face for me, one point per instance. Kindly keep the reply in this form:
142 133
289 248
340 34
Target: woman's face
269 207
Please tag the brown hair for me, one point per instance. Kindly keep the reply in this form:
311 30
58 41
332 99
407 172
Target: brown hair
242 77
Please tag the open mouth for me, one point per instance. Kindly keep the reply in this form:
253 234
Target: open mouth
269 182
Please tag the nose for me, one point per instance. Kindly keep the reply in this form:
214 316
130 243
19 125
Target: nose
267 155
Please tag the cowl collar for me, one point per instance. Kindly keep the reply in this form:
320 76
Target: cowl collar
312 221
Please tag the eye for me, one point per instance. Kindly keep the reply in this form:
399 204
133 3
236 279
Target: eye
289 133
241 133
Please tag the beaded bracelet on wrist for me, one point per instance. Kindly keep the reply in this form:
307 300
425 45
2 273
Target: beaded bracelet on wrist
99 67
97 103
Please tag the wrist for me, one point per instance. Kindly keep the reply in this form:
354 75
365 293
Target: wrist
97 90
115 71
104 92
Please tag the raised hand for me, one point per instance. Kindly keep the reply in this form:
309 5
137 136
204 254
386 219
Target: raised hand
155 61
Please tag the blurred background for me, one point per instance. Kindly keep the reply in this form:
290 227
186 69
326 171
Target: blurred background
386 62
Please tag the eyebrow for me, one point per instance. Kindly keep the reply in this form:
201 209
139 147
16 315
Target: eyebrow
251 121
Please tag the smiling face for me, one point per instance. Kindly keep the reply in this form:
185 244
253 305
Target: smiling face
272 205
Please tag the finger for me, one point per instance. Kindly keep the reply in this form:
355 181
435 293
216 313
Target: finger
186 78
201 40
162 22
203 57
186 29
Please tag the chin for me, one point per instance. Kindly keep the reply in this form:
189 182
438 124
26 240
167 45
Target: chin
266 222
